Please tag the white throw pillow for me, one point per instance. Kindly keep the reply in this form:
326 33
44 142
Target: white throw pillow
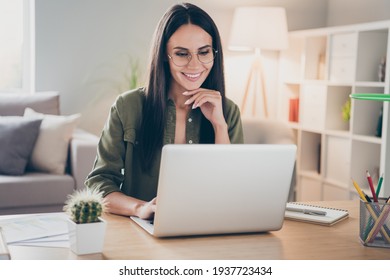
51 149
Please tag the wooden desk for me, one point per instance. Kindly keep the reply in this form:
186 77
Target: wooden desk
296 240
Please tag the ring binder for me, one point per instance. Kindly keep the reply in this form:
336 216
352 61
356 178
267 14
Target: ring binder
316 206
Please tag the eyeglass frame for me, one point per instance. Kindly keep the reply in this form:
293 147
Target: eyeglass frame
191 55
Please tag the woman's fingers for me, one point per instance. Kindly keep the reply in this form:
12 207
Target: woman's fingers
153 201
204 98
210 103
201 96
153 204
148 209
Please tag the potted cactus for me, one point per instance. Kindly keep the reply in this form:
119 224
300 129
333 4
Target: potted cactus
86 227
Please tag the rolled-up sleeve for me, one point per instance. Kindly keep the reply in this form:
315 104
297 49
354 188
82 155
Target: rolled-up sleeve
106 175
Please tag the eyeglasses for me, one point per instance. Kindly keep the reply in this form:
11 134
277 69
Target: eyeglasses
182 57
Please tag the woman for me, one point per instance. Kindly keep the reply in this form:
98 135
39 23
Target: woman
184 102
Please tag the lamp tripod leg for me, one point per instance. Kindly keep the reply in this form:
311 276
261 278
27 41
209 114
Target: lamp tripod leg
246 93
256 74
263 90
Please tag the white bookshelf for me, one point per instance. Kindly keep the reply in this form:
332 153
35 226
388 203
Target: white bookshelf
322 67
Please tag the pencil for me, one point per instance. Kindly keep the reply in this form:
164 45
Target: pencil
378 188
371 185
359 190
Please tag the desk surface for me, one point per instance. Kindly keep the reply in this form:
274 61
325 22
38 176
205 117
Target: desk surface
296 240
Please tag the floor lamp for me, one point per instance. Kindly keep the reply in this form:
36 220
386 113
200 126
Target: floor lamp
258 28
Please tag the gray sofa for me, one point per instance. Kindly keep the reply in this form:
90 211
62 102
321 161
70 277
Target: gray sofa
35 192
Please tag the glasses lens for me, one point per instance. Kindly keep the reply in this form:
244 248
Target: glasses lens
182 57
206 55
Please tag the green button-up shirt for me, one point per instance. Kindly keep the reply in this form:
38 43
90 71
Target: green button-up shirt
117 166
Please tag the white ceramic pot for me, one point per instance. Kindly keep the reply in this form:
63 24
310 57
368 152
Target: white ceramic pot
87 238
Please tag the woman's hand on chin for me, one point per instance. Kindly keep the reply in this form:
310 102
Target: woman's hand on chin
210 103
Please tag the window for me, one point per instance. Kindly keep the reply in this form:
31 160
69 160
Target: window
16 46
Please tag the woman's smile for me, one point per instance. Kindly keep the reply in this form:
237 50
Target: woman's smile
193 77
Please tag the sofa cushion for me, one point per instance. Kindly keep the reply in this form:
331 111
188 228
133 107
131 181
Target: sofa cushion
51 149
32 189
12 104
17 139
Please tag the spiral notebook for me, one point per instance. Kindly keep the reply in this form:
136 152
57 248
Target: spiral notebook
314 214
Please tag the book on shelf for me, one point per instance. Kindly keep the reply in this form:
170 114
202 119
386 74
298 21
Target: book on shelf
293 114
314 214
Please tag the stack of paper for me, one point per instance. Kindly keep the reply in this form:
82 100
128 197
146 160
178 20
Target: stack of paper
4 253
44 230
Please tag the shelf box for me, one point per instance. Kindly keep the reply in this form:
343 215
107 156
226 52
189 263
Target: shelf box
337 161
343 44
342 69
313 106
343 57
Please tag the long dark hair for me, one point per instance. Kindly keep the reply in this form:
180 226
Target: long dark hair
153 120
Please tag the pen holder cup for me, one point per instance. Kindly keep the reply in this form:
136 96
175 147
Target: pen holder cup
375 223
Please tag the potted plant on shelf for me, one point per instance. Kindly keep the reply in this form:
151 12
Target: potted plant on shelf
86 227
346 111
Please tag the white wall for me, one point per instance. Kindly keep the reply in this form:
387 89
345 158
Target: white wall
83 47
343 12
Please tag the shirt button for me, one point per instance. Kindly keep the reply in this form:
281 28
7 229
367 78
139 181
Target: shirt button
190 142
190 120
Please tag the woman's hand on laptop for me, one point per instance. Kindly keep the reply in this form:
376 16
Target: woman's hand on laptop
121 204
146 210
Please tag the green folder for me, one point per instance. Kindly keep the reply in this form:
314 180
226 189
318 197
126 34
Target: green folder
371 96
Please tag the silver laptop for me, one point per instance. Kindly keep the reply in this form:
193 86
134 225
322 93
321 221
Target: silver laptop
220 189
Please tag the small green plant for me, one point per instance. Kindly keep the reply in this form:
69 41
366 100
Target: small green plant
85 206
134 74
346 110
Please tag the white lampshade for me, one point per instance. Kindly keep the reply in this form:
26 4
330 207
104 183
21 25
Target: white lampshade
263 28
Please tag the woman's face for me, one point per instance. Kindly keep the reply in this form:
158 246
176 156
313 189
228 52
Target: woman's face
188 41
